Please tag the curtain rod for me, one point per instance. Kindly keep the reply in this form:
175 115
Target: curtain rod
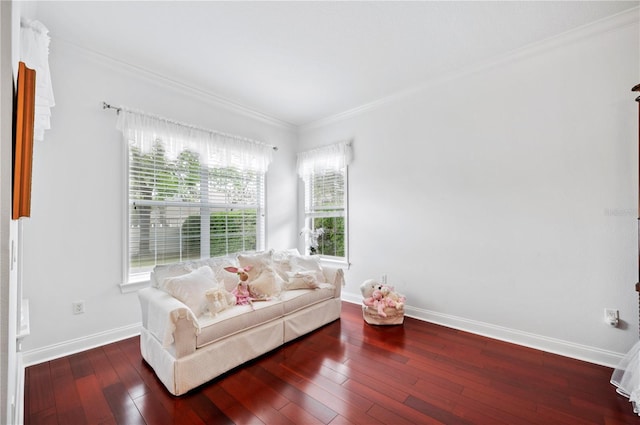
106 105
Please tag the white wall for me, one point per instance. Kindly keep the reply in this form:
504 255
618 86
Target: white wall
503 200
73 241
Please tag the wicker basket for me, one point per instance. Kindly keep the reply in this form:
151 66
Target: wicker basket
394 316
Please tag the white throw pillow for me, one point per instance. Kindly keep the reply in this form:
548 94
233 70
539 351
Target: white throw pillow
268 284
258 263
301 280
163 271
303 263
191 287
281 262
225 278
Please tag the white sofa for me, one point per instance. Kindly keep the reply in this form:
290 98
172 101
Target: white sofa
187 350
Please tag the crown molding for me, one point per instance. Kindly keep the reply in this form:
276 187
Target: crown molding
604 25
204 95
612 23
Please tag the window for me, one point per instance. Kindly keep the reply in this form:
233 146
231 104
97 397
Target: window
324 172
190 195
172 201
325 213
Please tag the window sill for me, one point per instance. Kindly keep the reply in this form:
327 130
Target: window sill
336 262
135 283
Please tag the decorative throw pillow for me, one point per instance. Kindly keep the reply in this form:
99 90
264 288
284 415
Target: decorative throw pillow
226 279
163 271
301 280
258 263
268 284
281 261
303 263
191 287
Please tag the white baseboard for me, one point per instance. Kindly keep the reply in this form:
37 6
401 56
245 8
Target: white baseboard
77 345
539 342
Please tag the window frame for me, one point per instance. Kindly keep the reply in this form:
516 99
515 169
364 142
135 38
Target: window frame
308 217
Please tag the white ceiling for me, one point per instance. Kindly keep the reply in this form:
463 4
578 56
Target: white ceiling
303 61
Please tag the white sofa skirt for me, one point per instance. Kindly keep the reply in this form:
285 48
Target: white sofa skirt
179 375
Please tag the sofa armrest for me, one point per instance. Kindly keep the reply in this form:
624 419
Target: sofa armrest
168 320
335 276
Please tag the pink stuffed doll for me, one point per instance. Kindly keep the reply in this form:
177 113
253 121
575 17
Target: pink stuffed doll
240 271
241 291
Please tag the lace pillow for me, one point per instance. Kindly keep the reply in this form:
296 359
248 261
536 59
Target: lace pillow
268 284
305 263
258 263
281 261
190 288
162 271
301 280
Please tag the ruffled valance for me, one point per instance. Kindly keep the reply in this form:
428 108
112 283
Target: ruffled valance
34 52
326 158
215 149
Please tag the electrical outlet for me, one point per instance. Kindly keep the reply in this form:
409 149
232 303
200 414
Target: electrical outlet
384 278
78 307
611 316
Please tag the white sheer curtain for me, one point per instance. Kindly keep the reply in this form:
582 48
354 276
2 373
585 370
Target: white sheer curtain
626 377
34 52
327 158
216 149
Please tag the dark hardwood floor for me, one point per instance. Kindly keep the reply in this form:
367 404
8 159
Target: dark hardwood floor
345 373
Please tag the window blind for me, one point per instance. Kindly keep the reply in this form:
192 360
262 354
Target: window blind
190 199
182 210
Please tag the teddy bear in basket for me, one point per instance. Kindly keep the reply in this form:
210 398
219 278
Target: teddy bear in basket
379 297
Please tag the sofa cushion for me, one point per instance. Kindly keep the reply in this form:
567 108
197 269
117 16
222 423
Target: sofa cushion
298 299
191 287
237 319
